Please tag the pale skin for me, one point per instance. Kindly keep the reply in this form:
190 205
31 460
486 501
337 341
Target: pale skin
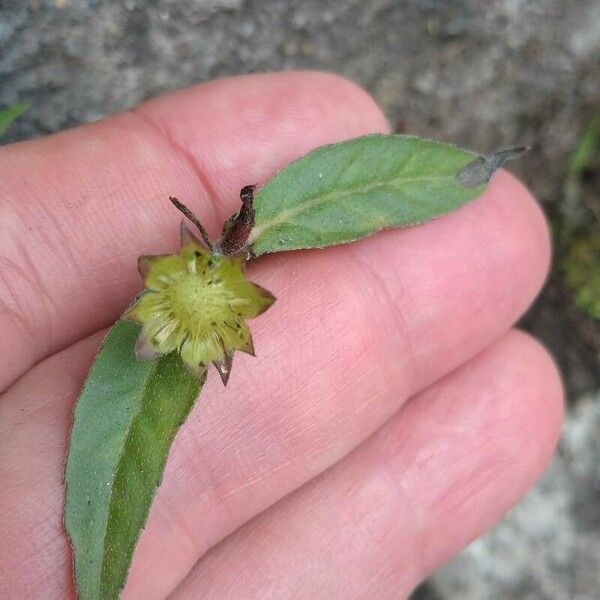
391 416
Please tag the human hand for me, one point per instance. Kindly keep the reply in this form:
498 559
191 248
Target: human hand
391 416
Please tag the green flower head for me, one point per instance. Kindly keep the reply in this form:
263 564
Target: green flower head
196 303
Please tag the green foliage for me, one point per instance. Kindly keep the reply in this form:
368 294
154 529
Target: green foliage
586 148
10 114
578 232
582 270
125 420
345 191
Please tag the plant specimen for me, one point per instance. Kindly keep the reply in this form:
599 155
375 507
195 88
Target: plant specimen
193 311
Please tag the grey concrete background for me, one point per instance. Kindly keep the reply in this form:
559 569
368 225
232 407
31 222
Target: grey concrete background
481 74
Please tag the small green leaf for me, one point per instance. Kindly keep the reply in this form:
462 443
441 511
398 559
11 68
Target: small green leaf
587 146
10 114
345 191
124 423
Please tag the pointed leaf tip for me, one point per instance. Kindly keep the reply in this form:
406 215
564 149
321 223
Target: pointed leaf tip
249 347
224 367
144 263
480 170
266 299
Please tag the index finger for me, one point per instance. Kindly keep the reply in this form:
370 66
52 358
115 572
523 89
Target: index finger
77 208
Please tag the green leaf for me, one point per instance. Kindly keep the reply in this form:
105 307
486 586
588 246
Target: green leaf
345 191
124 423
10 114
587 146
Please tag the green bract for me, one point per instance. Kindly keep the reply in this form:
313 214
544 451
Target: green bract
196 304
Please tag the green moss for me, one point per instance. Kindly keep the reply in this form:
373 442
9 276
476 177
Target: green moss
581 266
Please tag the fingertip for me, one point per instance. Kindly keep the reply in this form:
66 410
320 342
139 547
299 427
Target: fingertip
541 383
361 112
287 100
261 121
521 430
484 435
519 210
521 426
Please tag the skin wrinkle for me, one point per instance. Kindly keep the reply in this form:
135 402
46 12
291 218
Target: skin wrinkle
16 312
36 277
183 531
47 404
367 339
37 552
415 521
395 310
8 266
386 563
5 309
465 482
212 495
284 465
27 410
219 209
63 239
221 492
312 425
32 276
39 206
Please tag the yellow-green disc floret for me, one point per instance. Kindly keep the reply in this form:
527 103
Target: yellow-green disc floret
196 303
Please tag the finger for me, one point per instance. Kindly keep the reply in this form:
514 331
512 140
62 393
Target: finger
337 355
77 208
436 476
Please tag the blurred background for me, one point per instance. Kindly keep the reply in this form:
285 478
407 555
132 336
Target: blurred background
483 75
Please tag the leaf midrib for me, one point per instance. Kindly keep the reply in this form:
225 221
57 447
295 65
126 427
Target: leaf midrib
314 201
135 416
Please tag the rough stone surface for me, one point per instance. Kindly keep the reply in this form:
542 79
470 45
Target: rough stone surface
481 74
548 546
